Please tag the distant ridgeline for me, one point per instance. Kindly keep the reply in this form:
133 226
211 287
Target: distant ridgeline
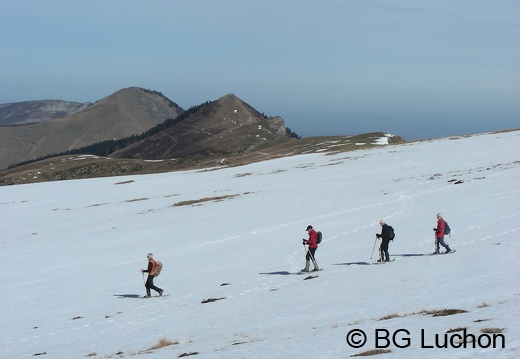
105 148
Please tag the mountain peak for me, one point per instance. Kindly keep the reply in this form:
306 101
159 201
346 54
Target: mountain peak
224 126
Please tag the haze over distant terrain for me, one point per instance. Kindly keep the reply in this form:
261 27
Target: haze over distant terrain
416 69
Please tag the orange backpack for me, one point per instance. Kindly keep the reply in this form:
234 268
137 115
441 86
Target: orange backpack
156 270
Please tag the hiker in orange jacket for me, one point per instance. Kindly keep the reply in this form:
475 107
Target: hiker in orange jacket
151 275
313 245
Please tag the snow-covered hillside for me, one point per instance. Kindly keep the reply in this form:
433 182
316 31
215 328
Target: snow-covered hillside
72 251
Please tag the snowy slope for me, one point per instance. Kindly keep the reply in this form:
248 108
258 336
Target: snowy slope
71 255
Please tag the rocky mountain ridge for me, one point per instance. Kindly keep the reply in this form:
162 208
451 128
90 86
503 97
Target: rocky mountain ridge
127 112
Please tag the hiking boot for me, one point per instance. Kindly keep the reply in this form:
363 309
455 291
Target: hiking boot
315 269
304 269
448 250
160 292
146 296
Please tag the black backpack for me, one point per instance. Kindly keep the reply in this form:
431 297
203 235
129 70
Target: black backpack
391 233
447 229
318 237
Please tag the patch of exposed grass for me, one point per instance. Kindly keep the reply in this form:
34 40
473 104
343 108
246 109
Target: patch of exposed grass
183 355
372 352
442 312
163 342
492 330
202 200
211 300
98 204
391 316
125 182
136 199
454 330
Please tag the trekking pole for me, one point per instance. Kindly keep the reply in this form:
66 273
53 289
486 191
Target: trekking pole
312 257
373 248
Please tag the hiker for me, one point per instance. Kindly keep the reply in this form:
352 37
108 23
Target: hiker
313 245
385 240
439 234
151 275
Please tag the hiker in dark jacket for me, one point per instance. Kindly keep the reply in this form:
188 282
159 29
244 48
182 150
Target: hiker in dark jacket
151 275
385 240
439 234
313 245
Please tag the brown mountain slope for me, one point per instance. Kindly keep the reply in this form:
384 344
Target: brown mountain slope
225 126
88 166
125 113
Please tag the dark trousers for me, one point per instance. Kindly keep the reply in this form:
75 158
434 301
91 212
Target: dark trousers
383 249
149 285
310 256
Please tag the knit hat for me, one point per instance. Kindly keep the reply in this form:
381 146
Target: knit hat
150 255
308 227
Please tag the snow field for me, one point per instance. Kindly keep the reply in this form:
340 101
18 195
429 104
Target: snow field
71 255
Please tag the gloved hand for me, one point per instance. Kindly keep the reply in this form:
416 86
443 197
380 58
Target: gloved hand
304 242
378 235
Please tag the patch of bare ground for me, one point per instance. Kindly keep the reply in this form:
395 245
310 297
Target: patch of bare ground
371 352
137 199
211 300
454 330
492 330
202 200
97 204
442 312
163 342
481 320
183 355
125 182
391 316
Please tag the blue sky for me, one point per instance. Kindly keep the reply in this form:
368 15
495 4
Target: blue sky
418 69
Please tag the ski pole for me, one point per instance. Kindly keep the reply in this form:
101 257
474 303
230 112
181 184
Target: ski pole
312 258
373 248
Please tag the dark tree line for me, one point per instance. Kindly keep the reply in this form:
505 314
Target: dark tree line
105 148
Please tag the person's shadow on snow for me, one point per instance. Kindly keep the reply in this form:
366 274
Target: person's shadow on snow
127 295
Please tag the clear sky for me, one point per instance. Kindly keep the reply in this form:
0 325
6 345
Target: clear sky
414 68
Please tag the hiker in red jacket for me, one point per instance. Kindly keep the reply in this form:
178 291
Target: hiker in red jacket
439 234
151 275
313 245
